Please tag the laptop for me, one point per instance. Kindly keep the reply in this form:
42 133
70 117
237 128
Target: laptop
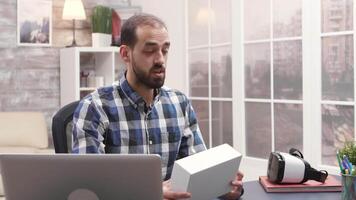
85 176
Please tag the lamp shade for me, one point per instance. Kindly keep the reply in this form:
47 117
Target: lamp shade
73 9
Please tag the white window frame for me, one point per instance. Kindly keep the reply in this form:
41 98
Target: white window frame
208 47
312 88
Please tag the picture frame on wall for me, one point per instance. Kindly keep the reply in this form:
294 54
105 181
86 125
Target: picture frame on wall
34 22
120 16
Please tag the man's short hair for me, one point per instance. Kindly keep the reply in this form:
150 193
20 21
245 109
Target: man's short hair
128 30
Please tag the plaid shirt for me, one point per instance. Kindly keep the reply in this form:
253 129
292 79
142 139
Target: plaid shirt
115 119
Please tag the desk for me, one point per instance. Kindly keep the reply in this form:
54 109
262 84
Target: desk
254 191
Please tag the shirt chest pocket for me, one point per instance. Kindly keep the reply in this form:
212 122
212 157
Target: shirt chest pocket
126 142
115 137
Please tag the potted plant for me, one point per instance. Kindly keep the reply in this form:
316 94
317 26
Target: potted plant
349 150
101 26
348 171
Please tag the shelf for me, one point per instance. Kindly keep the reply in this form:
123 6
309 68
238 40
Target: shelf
97 49
105 62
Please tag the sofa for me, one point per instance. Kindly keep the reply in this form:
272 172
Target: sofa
23 132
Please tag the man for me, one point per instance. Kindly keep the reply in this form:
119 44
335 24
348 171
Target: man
139 114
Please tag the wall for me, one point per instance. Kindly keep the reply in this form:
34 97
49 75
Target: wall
172 13
29 76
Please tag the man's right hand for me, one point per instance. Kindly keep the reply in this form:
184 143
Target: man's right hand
168 194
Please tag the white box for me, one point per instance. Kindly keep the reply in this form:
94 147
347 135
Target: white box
207 174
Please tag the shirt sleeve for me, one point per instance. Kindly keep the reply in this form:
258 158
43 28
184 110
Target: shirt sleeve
88 128
192 140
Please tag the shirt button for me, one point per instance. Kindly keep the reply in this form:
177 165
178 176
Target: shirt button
151 142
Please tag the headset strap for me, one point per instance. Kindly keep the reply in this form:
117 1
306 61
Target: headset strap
295 152
316 175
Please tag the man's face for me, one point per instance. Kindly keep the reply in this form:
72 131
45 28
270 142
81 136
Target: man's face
149 56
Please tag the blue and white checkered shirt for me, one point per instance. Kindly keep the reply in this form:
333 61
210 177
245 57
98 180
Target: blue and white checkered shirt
115 119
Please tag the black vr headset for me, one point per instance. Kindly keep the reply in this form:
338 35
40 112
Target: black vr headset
292 168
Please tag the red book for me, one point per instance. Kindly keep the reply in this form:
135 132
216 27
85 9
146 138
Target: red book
116 28
331 185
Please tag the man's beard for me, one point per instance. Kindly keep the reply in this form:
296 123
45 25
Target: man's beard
146 79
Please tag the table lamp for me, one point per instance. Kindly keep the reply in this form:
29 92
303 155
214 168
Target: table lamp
73 10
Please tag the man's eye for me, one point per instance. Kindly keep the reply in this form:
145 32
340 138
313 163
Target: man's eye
164 51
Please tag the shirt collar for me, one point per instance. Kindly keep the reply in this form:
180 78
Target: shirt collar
133 96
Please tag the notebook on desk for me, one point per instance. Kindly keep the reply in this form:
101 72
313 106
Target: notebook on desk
331 185
89 176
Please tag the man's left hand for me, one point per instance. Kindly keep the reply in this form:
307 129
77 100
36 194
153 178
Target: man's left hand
237 188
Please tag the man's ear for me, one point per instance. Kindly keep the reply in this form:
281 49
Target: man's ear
125 52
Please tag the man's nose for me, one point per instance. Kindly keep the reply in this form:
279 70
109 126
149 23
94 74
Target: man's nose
159 59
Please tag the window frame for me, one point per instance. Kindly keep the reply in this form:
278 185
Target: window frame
209 47
312 86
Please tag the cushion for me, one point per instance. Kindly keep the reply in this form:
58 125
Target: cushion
23 129
8 149
12 149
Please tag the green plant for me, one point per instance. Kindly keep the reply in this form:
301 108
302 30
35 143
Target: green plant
349 150
102 20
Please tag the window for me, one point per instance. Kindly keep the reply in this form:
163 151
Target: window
337 75
298 77
210 68
273 77
292 80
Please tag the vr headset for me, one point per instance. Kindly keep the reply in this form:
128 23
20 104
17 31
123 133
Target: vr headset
292 168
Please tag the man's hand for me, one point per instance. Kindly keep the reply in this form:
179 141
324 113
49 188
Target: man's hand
168 194
236 191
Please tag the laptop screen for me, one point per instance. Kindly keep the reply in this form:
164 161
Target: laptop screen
85 176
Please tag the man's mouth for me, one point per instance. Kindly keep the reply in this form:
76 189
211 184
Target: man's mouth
159 72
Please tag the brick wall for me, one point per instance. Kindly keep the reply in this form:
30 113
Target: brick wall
29 76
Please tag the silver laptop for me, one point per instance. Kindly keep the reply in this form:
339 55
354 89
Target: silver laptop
86 176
